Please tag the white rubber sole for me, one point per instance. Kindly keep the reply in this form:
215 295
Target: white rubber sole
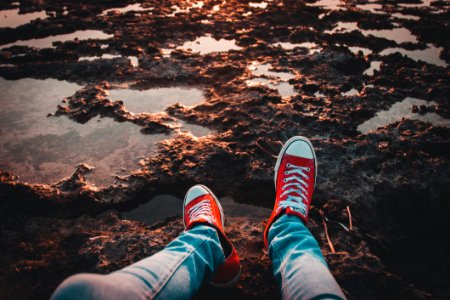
283 151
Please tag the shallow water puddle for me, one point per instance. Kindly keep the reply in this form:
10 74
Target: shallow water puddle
198 4
312 47
329 4
399 35
12 18
262 5
401 110
161 207
405 16
177 10
47 42
318 94
351 92
374 8
275 80
355 50
156 100
134 61
157 209
429 55
43 149
374 66
123 10
207 44
425 5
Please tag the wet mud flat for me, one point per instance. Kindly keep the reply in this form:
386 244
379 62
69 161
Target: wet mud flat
114 109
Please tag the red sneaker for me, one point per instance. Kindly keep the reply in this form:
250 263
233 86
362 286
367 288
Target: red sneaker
201 206
295 179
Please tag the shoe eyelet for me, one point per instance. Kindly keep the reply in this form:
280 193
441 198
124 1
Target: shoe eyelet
285 173
288 165
284 180
308 169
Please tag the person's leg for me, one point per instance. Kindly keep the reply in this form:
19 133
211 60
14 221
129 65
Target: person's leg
298 264
176 272
201 253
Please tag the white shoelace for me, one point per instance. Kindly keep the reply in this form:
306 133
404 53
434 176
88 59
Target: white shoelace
201 209
295 188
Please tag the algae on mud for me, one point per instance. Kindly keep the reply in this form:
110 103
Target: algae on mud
395 179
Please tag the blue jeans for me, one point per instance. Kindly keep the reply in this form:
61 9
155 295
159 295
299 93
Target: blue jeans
178 271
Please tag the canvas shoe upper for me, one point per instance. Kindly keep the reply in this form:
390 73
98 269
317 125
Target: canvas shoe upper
295 178
202 207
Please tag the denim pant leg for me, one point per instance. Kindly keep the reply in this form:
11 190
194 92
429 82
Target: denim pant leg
298 264
177 272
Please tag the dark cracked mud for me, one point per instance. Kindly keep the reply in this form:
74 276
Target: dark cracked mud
268 71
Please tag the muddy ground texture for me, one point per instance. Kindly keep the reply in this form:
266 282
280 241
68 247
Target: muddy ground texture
395 181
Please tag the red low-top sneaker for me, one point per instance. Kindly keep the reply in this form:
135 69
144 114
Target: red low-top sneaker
295 179
201 206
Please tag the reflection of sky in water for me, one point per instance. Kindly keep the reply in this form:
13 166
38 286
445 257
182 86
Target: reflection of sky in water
134 61
405 16
277 80
372 7
207 44
398 35
374 66
157 99
261 5
132 7
401 110
429 55
329 4
351 92
43 149
355 50
12 18
312 47
47 42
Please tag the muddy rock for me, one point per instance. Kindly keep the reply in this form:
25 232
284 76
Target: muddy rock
382 196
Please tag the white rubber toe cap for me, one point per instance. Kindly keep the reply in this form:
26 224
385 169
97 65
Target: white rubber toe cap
195 192
300 148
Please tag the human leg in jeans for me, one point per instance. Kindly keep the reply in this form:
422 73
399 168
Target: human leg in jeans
200 254
298 264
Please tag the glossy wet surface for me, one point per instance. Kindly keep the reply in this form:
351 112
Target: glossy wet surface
161 207
137 7
158 99
429 55
49 148
278 80
403 109
47 42
374 66
208 44
134 61
312 47
13 18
